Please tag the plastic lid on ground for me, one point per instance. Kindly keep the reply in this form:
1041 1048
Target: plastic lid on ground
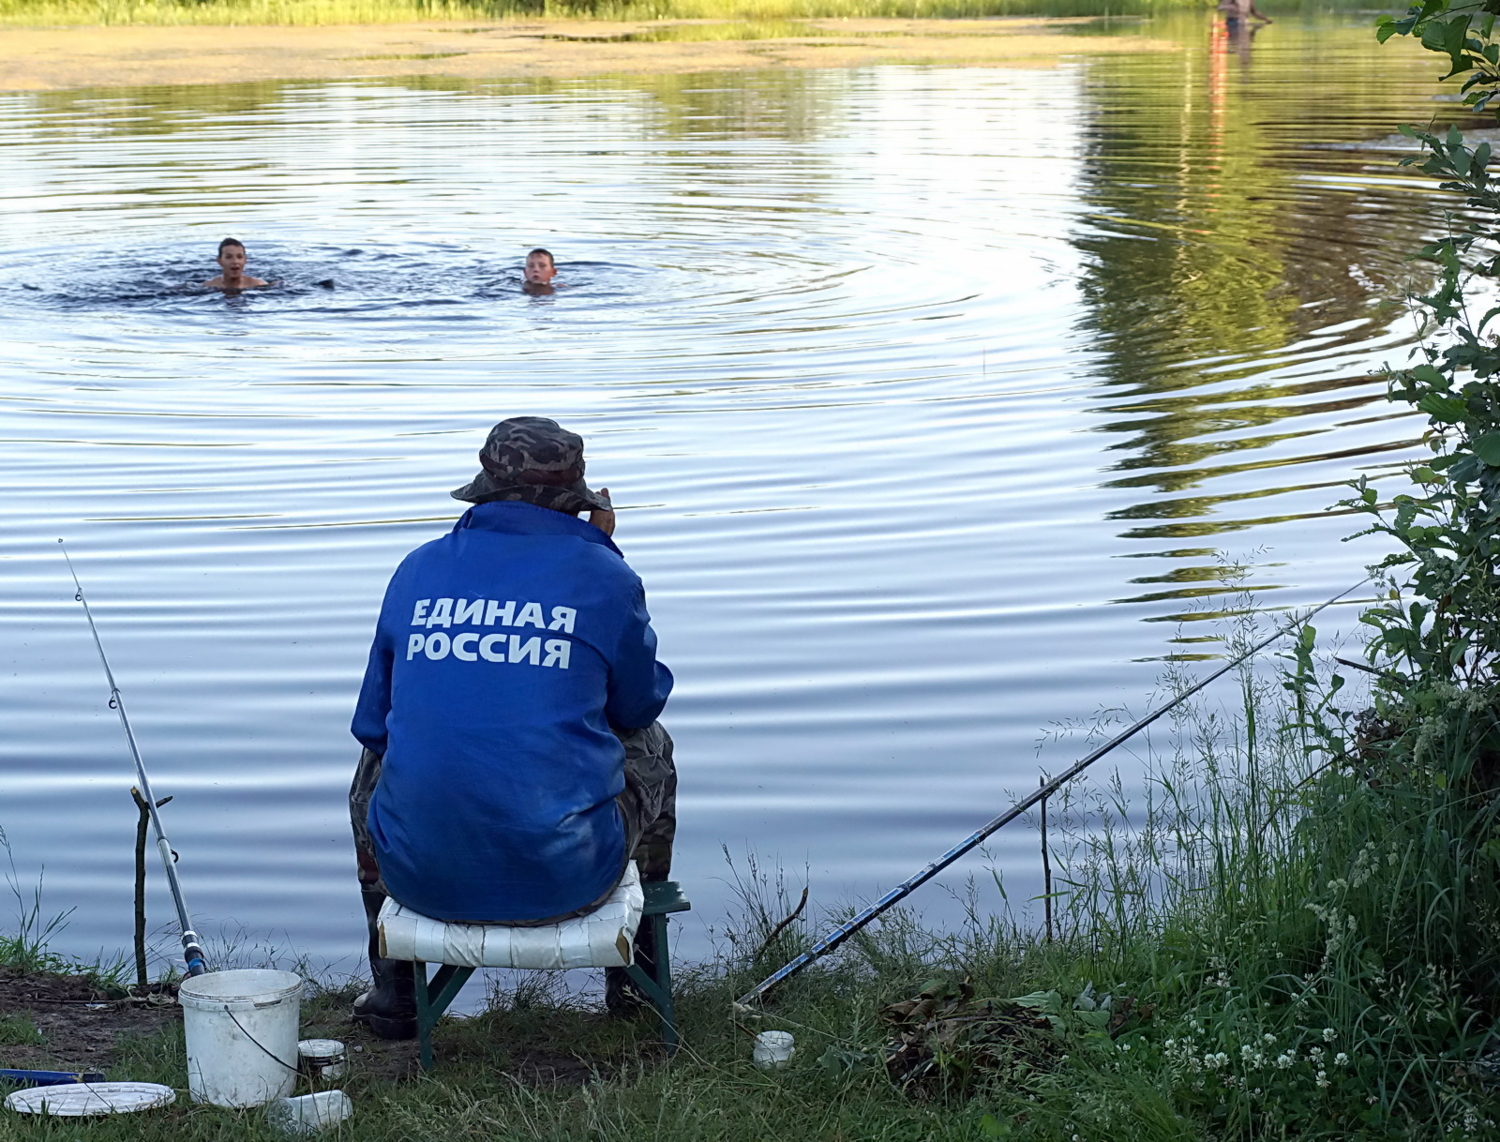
320 1048
77 1100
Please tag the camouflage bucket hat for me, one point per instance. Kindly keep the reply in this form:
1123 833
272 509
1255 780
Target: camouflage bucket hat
536 461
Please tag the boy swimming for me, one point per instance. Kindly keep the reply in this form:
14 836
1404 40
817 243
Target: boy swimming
231 261
540 270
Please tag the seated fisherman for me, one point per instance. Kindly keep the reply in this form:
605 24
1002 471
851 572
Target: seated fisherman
512 758
231 261
540 270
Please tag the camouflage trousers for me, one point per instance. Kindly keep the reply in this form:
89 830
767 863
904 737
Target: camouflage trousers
648 807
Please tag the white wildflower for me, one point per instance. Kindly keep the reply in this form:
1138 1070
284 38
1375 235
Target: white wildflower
1341 1060
1328 1034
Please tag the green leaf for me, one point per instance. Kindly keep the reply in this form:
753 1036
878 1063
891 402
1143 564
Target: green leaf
838 1060
1048 1004
992 1127
1487 448
1465 469
1428 375
1455 41
1444 410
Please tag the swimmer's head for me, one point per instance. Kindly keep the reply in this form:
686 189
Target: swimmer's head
540 268
231 257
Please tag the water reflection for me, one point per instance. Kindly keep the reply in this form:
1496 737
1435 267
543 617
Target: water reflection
1239 289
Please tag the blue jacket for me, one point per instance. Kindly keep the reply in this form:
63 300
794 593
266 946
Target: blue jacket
504 652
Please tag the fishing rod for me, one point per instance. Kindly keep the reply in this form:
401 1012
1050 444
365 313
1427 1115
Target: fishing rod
192 951
831 941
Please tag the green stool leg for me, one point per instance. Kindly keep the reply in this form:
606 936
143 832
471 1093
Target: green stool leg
433 998
659 989
668 1009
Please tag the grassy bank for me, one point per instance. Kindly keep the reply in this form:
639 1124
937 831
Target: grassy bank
47 13
1279 937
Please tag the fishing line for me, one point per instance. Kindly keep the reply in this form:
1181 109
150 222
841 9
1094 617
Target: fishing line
831 941
192 952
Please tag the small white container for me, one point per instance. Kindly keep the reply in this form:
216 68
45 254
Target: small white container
321 1059
309 1113
773 1050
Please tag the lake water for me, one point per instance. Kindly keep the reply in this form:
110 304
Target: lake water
937 402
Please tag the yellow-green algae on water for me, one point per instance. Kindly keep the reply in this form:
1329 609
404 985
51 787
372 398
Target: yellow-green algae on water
63 58
45 13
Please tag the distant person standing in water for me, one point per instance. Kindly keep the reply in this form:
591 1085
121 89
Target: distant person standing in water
1237 10
231 261
540 270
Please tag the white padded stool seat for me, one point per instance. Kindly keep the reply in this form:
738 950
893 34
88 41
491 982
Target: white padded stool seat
600 939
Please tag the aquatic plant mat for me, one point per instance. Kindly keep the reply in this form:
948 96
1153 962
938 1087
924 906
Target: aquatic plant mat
50 59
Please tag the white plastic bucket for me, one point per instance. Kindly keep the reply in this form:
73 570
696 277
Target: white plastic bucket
241 1029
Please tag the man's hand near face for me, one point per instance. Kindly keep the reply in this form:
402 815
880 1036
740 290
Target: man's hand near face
603 520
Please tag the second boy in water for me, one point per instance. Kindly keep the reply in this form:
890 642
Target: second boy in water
231 261
540 270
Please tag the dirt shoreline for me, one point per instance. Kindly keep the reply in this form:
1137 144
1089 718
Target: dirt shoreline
58 59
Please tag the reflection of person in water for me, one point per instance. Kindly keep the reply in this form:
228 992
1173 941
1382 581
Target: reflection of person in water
540 270
1241 21
231 261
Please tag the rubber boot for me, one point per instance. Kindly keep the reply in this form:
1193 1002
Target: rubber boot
622 998
389 1008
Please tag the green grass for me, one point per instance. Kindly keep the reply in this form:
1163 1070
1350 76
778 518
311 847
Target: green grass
43 13
18 1031
1304 942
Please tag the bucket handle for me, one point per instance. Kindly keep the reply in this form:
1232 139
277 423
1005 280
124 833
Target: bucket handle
257 1042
